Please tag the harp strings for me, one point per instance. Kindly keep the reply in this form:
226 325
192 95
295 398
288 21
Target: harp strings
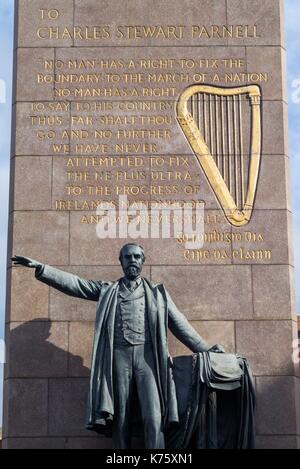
217 122
211 126
205 117
229 141
223 132
243 189
220 121
236 152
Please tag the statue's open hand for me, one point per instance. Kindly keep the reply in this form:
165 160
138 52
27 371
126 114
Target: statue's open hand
217 349
26 262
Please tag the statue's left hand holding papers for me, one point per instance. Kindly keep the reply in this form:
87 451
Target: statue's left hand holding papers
217 349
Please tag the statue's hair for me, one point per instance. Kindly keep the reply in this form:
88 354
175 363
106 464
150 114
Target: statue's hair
132 244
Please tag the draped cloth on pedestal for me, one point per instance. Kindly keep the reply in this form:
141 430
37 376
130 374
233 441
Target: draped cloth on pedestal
216 399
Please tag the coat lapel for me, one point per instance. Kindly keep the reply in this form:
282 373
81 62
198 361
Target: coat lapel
107 297
151 304
111 312
105 315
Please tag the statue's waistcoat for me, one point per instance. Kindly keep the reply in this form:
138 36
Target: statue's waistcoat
131 322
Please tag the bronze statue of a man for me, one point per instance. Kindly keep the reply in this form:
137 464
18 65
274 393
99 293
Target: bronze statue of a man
130 347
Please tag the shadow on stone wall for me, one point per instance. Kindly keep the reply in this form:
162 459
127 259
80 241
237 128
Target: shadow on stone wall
46 390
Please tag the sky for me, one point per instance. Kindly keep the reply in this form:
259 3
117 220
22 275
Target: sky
6 45
293 75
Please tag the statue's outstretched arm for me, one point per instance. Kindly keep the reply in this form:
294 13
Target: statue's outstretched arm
183 331
65 282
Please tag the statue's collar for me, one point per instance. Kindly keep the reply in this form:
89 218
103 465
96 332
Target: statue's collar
132 284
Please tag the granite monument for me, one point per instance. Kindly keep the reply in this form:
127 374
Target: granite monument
160 104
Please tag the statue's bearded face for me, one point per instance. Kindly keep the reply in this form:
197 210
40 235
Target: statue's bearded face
132 260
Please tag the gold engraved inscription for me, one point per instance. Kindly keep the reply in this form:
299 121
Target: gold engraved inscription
112 120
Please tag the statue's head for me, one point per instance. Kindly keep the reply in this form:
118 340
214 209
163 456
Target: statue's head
132 258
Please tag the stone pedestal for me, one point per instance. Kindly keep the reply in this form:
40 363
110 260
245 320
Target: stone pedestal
87 74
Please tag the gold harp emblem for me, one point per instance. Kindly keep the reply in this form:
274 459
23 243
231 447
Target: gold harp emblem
223 127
